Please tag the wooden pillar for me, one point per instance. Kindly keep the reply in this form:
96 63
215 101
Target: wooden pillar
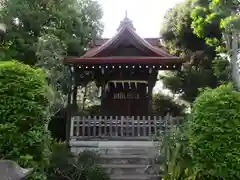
151 78
75 87
68 112
103 96
150 88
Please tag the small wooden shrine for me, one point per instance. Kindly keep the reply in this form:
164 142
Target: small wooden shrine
125 68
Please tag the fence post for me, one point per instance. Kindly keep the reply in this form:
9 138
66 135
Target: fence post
110 126
149 126
100 126
78 125
133 126
83 126
94 126
138 126
122 118
72 127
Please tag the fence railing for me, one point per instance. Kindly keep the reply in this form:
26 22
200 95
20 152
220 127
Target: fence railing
110 127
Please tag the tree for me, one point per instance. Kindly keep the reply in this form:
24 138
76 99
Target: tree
223 18
50 53
24 114
74 22
163 104
179 39
177 33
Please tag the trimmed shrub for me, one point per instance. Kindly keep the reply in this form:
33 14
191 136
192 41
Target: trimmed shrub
24 114
214 133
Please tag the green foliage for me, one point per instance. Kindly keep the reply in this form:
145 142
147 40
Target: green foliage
213 18
221 68
187 82
163 104
174 148
205 24
214 132
88 94
180 39
92 110
66 166
42 33
73 22
216 21
24 114
176 30
50 53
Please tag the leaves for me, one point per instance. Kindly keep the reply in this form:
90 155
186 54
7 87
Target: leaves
163 104
73 22
213 132
24 113
50 52
66 166
174 147
43 33
180 39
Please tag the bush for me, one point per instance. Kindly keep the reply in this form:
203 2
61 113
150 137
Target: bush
174 153
24 114
163 104
66 166
214 133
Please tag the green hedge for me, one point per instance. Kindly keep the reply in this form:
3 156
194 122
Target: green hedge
24 114
214 132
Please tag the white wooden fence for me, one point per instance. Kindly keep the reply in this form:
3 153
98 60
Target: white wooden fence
110 127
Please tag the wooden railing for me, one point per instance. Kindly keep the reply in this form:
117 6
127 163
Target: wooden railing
109 127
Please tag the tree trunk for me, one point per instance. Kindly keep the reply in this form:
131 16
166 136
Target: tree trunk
84 97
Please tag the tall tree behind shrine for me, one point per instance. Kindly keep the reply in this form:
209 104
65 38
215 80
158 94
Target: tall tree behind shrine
203 68
74 22
224 16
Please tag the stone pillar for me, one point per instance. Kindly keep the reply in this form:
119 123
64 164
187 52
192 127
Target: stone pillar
3 29
10 170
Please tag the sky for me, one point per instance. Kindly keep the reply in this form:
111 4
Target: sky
146 15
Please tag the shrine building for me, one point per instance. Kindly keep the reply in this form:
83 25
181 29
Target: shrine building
125 68
125 133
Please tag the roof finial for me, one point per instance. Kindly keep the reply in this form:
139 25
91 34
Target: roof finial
126 14
126 22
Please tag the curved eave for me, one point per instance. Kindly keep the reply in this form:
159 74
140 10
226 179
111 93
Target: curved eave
125 60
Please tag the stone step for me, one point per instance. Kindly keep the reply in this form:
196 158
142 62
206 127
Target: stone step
131 169
149 152
136 177
126 159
